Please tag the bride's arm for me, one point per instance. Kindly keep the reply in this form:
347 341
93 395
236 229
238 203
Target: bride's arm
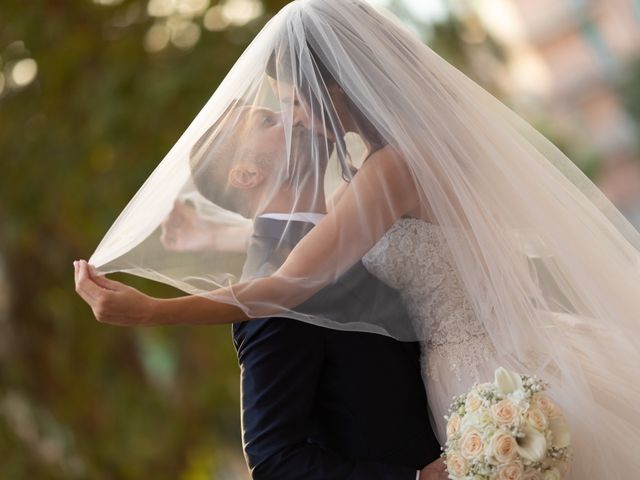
336 196
381 192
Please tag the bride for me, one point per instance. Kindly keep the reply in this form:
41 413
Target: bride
504 252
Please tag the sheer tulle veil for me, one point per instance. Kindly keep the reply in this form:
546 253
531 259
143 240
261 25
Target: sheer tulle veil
549 265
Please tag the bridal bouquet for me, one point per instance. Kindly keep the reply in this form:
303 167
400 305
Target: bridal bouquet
507 430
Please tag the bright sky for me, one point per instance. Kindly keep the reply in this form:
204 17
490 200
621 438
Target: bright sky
426 10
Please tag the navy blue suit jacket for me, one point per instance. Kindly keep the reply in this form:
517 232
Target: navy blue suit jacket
320 403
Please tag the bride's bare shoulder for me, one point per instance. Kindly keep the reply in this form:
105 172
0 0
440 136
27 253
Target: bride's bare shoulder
388 151
389 160
390 163
388 173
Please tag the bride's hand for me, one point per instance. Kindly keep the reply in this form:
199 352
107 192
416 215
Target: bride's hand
436 470
112 302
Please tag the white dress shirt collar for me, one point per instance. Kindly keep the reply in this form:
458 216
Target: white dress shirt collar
310 217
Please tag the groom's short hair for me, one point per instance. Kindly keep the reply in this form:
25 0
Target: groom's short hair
212 157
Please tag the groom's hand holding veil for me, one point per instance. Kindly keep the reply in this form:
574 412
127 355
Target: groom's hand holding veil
185 229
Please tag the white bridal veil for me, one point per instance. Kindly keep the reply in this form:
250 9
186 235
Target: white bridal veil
549 265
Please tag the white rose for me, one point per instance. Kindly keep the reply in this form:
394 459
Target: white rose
537 419
507 381
518 396
546 406
478 419
503 447
471 444
552 474
453 425
504 412
457 465
473 403
513 471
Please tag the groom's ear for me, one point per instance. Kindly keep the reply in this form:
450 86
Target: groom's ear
245 176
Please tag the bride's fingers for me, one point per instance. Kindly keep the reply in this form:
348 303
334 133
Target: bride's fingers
103 281
85 286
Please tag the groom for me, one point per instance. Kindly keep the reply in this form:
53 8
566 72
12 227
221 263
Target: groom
317 403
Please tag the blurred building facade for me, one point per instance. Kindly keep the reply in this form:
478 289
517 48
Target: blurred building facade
566 57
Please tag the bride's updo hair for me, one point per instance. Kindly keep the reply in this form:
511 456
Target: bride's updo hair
280 69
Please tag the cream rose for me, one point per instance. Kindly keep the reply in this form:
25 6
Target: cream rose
537 419
457 465
546 406
453 425
513 471
503 447
471 444
473 403
504 412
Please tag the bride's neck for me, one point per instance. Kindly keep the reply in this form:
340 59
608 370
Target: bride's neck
372 139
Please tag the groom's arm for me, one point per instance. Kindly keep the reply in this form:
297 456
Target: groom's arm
281 365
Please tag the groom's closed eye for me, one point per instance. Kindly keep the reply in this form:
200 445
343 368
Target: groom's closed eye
263 118
267 120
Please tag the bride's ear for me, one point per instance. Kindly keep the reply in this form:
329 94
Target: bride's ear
245 176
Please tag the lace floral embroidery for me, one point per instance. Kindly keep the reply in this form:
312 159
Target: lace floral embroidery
413 258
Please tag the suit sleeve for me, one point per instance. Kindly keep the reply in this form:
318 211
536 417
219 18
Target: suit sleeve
281 363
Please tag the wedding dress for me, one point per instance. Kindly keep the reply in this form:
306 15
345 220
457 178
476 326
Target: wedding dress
457 352
412 257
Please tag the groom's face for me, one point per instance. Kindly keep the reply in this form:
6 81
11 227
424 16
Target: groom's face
265 143
252 156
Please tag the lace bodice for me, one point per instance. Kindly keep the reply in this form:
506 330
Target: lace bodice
413 257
